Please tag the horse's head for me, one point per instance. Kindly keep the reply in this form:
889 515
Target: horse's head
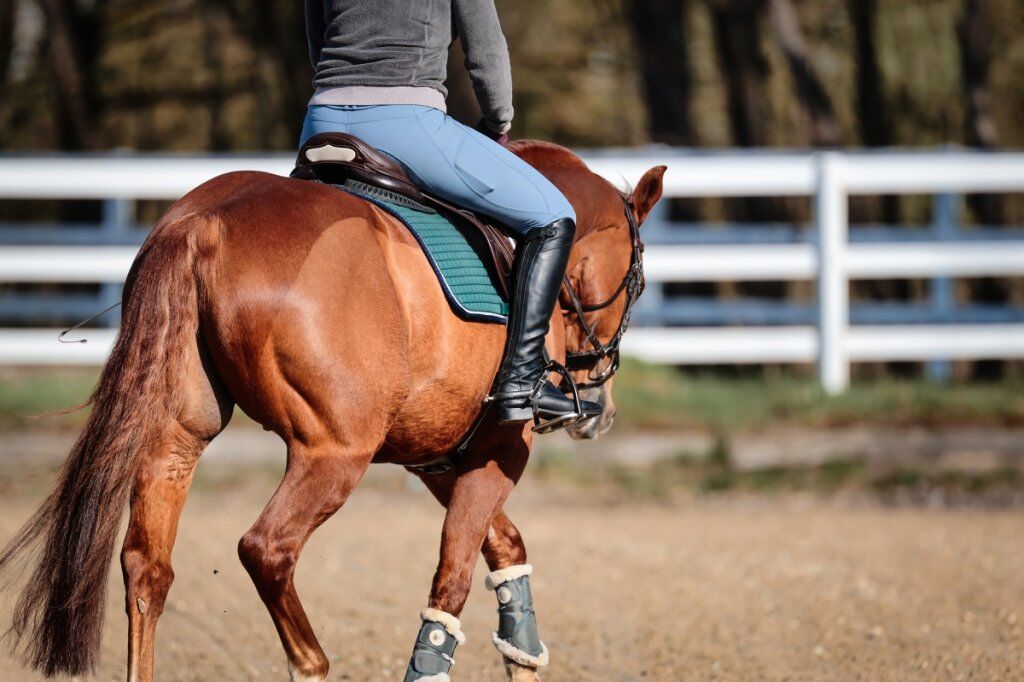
605 273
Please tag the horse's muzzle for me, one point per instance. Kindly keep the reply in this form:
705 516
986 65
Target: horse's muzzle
592 428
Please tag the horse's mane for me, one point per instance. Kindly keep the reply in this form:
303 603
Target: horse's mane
546 154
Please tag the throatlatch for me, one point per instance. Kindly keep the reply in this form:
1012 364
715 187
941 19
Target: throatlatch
517 638
434 651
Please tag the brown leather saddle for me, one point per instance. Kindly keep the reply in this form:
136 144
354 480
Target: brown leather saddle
340 158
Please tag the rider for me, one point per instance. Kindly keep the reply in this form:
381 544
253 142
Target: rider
380 70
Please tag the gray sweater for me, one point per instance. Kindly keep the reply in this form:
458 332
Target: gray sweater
360 47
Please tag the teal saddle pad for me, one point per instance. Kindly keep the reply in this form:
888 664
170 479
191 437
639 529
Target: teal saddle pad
467 283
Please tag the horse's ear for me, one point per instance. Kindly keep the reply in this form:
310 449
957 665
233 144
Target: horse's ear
647 192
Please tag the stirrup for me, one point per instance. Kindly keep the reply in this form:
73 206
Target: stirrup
566 420
560 422
534 396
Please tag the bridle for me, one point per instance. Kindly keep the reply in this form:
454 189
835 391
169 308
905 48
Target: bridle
632 285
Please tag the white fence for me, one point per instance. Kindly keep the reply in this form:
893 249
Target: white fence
829 178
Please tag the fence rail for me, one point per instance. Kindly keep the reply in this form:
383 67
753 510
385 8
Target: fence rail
830 258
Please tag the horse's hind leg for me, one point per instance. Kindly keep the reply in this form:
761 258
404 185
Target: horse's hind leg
317 482
159 494
505 554
157 500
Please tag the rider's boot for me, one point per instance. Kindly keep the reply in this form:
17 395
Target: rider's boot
523 390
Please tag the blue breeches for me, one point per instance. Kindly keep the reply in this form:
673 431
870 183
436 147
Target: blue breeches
450 160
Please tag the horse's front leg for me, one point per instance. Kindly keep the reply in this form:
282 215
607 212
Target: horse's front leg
472 499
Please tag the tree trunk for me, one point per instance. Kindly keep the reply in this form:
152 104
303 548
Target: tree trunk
974 33
817 106
282 25
975 37
216 138
661 40
72 52
872 114
744 67
8 16
276 30
659 30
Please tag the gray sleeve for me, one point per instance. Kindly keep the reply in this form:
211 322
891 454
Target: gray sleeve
315 28
476 21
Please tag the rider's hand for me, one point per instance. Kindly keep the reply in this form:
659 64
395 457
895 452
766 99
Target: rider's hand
484 127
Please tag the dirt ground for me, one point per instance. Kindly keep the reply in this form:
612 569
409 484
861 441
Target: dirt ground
727 587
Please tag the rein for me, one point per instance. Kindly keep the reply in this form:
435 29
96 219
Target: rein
633 285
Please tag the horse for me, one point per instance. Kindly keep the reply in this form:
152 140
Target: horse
317 314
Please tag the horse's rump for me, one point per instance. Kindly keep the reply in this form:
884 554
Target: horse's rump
327 317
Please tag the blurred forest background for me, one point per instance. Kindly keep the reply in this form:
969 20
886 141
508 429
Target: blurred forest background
233 75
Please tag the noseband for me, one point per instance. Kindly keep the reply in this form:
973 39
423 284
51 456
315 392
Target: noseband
632 285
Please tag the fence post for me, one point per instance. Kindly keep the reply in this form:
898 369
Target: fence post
945 210
831 217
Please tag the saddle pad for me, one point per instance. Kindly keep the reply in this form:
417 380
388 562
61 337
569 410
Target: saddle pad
460 270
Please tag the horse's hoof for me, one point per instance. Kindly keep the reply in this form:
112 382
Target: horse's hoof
520 673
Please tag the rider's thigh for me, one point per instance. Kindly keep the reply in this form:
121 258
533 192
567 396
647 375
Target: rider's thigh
465 167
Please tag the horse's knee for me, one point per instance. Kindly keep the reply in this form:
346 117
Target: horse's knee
269 564
147 580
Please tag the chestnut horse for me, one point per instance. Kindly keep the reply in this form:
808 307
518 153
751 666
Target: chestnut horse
319 316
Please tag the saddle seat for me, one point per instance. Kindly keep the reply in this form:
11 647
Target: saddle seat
343 159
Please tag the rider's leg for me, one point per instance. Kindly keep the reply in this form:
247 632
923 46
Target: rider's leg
451 160
465 167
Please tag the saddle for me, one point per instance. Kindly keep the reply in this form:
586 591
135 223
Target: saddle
343 159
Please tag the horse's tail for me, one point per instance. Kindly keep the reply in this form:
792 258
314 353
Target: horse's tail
58 619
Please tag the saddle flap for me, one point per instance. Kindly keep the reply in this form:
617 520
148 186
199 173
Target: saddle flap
487 238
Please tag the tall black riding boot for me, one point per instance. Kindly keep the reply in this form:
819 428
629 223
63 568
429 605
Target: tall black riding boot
523 391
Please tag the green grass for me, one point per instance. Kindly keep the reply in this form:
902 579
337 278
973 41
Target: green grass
650 396
713 473
663 397
28 395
